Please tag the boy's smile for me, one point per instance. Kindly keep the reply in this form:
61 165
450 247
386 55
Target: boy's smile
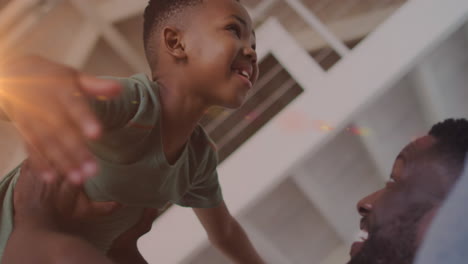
222 62
244 72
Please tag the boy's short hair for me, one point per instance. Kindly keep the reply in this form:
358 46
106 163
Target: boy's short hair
155 16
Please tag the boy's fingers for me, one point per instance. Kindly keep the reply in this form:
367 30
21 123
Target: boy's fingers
48 146
68 153
51 149
98 87
79 112
41 166
54 155
37 157
75 149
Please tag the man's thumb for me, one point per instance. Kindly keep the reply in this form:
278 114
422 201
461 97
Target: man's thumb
104 208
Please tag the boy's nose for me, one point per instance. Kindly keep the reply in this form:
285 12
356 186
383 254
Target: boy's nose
251 54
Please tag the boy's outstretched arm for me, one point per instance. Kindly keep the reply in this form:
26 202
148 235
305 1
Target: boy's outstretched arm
226 234
47 102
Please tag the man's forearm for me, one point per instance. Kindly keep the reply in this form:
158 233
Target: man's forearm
238 247
49 247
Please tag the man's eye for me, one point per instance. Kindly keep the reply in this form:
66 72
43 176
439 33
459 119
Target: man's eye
234 29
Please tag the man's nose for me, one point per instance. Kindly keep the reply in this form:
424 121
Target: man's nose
366 204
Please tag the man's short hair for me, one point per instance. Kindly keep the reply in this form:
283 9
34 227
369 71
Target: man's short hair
452 140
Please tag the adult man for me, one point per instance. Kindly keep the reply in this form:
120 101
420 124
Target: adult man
398 216
448 236
395 217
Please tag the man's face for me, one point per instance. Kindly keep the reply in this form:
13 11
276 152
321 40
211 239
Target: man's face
396 216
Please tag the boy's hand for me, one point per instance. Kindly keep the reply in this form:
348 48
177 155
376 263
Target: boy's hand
48 104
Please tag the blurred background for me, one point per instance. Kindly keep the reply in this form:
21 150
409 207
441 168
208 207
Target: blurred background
344 86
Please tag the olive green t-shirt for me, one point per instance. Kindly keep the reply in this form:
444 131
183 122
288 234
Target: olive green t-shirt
133 169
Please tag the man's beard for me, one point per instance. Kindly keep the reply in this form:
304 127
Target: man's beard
394 243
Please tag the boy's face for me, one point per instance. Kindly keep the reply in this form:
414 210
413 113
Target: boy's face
221 57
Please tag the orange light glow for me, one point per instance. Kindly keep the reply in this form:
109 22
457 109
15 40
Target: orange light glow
326 128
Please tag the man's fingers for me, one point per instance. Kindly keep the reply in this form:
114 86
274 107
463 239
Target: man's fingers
98 87
67 196
102 208
143 226
146 221
86 209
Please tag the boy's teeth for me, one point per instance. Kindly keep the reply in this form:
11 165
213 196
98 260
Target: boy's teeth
244 73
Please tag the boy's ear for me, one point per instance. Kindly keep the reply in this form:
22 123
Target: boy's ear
173 43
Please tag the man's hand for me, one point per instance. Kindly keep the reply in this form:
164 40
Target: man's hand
55 205
124 250
46 214
48 104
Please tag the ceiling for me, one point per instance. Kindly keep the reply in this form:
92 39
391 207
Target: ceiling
104 36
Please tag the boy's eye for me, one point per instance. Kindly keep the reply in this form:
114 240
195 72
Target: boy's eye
235 29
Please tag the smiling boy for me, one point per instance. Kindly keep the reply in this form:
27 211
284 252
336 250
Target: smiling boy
152 150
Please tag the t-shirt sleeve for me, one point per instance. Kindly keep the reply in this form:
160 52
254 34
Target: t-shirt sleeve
116 112
206 190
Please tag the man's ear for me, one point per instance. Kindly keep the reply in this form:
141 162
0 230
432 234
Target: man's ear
173 43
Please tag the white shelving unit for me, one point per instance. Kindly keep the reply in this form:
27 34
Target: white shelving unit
294 192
